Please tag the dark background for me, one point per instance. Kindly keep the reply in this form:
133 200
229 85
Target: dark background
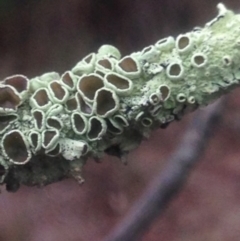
38 36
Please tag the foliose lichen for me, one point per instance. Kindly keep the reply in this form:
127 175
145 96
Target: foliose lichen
51 124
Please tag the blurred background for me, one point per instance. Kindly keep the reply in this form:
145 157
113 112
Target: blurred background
37 36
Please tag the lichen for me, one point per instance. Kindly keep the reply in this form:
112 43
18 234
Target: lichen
51 124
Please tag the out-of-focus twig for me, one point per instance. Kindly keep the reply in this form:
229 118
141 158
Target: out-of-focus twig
168 183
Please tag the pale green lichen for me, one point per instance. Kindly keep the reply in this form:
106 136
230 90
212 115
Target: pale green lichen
51 124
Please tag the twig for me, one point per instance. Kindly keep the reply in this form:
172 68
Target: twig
168 183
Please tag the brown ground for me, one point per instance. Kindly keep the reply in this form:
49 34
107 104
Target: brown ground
39 36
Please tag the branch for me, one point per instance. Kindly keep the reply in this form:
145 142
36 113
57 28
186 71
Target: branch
51 124
168 183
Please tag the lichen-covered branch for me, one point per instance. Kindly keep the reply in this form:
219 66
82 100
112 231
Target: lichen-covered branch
51 124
